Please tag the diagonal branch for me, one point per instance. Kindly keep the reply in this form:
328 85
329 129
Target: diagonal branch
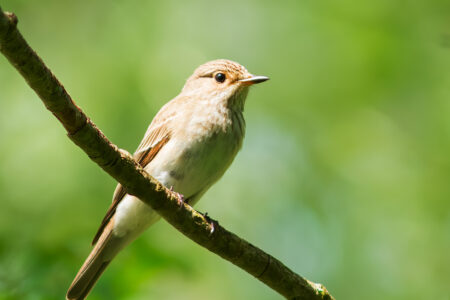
120 165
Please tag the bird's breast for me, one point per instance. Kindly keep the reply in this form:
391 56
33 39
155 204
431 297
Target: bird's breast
200 153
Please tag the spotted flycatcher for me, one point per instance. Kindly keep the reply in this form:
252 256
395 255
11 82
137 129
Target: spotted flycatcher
188 146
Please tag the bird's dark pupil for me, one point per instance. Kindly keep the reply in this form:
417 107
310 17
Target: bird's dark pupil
220 77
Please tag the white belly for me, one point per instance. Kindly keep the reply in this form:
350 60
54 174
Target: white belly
189 168
132 217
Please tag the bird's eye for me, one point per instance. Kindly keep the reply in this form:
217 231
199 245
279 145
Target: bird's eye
220 77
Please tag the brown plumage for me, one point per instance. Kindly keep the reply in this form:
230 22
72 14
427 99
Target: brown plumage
188 146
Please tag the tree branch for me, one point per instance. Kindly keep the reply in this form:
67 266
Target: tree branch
121 166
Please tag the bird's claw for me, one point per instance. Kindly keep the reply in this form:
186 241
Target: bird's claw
180 198
211 222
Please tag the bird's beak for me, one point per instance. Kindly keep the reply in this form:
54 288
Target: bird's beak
253 80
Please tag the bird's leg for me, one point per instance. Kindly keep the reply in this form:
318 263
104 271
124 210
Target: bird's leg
211 222
180 197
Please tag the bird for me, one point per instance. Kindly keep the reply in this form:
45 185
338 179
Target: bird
188 146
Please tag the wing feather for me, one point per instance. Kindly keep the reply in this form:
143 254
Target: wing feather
155 138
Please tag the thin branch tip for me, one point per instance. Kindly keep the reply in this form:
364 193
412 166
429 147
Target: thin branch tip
321 291
12 18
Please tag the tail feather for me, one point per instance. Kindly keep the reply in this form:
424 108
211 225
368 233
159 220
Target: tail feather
104 251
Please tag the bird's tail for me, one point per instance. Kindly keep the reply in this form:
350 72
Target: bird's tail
106 248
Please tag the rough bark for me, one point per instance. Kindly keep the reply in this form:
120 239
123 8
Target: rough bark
120 165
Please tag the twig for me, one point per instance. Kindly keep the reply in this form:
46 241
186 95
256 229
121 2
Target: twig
121 166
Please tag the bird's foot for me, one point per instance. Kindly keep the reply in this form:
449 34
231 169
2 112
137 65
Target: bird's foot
180 198
212 223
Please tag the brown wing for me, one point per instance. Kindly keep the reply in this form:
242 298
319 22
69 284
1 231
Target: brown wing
155 138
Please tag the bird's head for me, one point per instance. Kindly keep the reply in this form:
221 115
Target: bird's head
222 80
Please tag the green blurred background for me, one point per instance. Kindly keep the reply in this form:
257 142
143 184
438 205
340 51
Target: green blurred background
344 174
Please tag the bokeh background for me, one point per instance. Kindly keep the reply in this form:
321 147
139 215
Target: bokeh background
345 170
